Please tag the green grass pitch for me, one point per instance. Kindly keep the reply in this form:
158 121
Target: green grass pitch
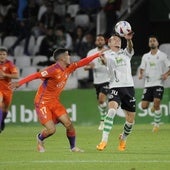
145 150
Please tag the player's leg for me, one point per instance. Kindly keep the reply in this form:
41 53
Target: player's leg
127 129
1 114
70 132
45 133
4 115
147 97
108 124
145 104
158 92
128 104
45 118
102 106
7 98
1 110
157 114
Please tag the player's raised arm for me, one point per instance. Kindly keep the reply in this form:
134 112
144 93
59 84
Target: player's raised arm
88 59
14 85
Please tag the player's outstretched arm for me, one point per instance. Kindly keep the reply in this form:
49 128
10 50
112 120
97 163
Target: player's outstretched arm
88 59
14 85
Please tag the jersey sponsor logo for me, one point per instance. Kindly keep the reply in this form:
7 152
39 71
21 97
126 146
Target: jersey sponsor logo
44 73
119 61
152 64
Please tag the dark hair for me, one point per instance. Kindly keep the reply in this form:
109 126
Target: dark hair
100 35
153 36
59 51
4 49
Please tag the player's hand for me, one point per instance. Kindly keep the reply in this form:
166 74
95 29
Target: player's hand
101 52
13 85
140 76
129 36
164 76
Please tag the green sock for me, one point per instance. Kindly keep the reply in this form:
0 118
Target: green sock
103 110
127 129
157 117
108 124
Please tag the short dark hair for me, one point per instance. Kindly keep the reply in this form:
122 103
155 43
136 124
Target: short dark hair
154 36
4 49
100 35
59 51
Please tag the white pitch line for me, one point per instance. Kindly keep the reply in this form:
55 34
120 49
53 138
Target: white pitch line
83 161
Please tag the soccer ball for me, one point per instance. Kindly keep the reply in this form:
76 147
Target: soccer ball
123 28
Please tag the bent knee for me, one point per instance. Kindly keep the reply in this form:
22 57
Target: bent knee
144 106
52 130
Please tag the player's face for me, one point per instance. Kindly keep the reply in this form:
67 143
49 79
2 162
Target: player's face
114 41
66 58
3 56
100 41
153 43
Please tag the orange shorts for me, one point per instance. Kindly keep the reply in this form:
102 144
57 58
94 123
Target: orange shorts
6 97
50 111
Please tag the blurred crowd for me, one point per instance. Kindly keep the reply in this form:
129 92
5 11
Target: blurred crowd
62 23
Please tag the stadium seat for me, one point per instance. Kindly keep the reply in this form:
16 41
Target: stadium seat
19 51
11 58
37 59
75 58
72 82
23 61
33 85
23 87
28 70
37 44
81 73
31 45
9 41
165 48
73 9
82 20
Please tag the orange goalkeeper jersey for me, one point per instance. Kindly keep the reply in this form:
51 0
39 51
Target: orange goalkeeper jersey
9 68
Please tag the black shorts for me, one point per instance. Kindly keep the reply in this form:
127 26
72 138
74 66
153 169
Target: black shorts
102 88
124 96
149 93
